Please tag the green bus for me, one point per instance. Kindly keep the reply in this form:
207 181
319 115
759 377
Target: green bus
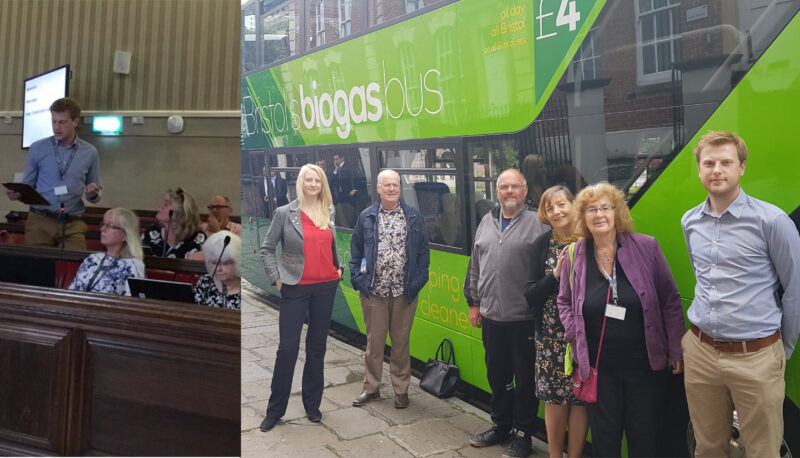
451 92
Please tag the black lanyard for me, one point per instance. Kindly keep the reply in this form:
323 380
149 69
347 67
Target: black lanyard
98 274
63 170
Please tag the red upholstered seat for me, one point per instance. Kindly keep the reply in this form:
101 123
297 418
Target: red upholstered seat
65 272
187 277
12 237
160 274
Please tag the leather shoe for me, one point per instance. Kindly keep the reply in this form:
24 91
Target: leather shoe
365 398
267 424
400 400
314 416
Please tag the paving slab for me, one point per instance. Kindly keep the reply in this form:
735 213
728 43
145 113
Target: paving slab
428 437
375 445
428 427
420 406
343 395
353 422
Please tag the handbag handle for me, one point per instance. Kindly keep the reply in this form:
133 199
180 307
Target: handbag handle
452 358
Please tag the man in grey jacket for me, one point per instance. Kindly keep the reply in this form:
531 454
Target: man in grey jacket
500 265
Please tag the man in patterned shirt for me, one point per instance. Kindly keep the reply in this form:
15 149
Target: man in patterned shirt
388 267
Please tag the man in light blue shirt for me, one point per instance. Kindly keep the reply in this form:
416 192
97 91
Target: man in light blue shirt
746 312
63 169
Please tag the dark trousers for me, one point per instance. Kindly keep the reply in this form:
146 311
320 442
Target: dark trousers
297 301
631 402
510 359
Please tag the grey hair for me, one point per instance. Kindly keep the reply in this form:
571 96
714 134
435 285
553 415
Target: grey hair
524 181
213 247
385 172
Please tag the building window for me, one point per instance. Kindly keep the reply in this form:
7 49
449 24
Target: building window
279 28
319 22
249 44
381 11
345 17
657 34
414 5
586 63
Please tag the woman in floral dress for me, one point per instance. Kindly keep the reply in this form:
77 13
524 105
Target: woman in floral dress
109 272
562 409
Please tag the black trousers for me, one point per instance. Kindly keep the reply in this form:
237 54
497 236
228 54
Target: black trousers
510 360
632 402
297 302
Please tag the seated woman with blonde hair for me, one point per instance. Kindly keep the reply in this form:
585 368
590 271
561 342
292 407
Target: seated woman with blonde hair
109 272
221 286
177 233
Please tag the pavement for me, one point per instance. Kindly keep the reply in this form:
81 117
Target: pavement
428 427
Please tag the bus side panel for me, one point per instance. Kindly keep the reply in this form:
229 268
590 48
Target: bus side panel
763 109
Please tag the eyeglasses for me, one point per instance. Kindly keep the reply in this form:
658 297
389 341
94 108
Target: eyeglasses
506 187
605 209
217 207
111 226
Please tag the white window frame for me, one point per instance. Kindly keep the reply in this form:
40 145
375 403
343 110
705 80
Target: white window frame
319 14
664 75
595 57
345 17
414 5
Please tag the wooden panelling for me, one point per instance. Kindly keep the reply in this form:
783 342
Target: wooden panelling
32 396
184 53
97 374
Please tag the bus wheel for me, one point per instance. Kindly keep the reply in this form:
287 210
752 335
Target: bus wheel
737 448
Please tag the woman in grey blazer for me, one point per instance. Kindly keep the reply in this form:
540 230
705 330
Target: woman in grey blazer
307 275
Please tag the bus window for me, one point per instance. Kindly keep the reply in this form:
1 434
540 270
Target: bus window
280 24
331 20
428 181
489 158
381 11
347 170
249 44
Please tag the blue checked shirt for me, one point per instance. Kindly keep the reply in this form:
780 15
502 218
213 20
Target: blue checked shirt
46 158
741 259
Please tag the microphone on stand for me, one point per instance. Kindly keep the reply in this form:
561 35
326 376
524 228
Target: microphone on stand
166 236
225 243
63 226
224 288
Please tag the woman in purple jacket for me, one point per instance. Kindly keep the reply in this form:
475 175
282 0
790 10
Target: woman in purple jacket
622 279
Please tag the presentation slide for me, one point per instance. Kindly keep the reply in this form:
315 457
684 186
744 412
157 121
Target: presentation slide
40 92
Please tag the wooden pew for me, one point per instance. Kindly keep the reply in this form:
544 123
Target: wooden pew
33 265
94 374
94 216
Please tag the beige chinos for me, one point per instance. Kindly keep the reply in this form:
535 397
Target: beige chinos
394 315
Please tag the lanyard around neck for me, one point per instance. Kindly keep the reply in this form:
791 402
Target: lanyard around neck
62 169
98 274
612 279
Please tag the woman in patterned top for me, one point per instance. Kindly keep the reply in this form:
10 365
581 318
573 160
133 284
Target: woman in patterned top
178 222
109 272
221 286
553 385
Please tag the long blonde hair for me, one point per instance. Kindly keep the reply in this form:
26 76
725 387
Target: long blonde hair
320 210
129 222
185 213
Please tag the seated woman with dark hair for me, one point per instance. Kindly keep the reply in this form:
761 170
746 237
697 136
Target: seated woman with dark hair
109 272
177 233
221 286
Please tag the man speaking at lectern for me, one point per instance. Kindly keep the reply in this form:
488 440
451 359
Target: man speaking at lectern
63 169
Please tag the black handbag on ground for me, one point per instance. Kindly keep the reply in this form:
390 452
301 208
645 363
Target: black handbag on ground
441 375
